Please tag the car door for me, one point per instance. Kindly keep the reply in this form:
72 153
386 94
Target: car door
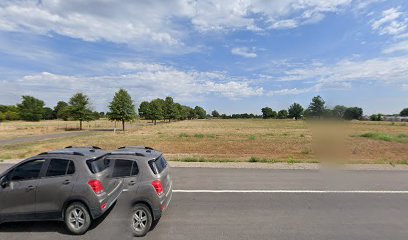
18 197
54 188
128 171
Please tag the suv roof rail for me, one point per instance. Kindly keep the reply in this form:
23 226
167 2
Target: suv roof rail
128 153
138 147
92 147
63 152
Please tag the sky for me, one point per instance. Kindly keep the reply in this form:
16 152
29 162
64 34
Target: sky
234 56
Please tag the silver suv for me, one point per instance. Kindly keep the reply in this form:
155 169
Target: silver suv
147 185
71 185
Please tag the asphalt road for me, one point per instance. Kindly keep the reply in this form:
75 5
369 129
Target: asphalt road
50 136
378 211
41 137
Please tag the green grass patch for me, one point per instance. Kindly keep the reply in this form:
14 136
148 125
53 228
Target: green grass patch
252 137
199 135
211 136
293 161
261 160
183 135
252 159
201 159
401 138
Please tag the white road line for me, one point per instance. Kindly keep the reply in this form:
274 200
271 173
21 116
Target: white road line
293 191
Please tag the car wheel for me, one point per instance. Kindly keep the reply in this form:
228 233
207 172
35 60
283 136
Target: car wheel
77 218
141 220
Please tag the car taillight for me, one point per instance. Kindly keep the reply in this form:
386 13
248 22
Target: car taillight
103 206
158 187
96 186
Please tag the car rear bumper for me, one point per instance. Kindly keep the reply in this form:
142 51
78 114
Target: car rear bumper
107 202
164 203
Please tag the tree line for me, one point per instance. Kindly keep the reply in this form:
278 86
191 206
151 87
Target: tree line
316 109
122 109
167 109
79 108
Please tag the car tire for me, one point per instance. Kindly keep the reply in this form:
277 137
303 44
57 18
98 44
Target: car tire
77 218
140 220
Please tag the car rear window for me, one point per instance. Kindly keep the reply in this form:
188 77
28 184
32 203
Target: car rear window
123 168
57 167
98 165
158 165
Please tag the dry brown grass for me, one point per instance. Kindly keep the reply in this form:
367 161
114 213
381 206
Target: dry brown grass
235 140
15 129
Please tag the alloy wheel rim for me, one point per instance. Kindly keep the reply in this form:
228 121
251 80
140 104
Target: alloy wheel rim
76 218
139 220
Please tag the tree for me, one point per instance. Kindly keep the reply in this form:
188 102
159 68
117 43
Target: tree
353 113
215 114
61 110
377 117
295 111
184 112
316 107
177 111
96 115
169 110
9 113
156 110
121 108
31 108
48 113
283 114
79 108
191 113
267 112
338 111
144 109
404 112
200 112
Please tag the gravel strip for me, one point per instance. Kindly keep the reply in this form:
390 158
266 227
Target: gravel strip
294 166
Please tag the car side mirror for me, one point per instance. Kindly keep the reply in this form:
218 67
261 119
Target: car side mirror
4 182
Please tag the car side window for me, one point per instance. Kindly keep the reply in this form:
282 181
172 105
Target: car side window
135 169
57 167
71 168
122 168
28 171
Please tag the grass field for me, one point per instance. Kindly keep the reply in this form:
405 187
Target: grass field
230 140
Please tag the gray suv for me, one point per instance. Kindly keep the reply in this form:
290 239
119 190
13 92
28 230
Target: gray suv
71 185
147 185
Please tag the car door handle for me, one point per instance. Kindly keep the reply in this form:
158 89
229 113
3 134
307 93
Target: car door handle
66 182
29 188
131 183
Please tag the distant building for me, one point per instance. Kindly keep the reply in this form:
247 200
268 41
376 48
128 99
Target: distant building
395 119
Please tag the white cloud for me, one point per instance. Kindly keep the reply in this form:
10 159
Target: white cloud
234 90
397 47
363 4
146 81
243 52
157 22
93 20
289 91
392 22
282 24
385 70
